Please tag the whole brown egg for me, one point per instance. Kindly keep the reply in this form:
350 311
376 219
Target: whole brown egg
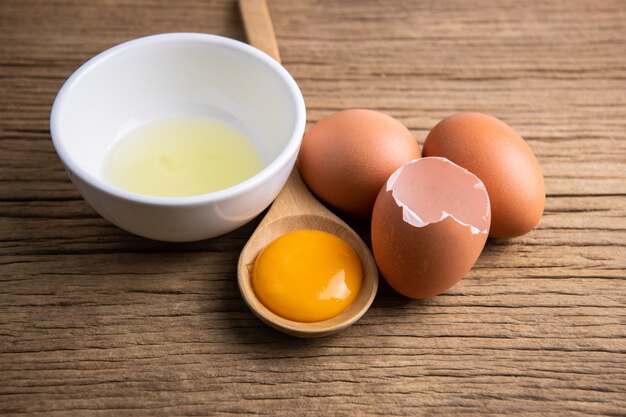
495 153
346 157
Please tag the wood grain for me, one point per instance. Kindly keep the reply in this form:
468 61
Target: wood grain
97 322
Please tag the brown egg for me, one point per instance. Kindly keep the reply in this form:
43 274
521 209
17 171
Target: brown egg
346 157
429 226
499 156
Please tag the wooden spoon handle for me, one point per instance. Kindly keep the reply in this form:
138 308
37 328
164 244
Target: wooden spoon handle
258 25
295 198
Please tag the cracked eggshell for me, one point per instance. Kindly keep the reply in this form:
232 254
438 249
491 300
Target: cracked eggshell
429 225
347 156
501 158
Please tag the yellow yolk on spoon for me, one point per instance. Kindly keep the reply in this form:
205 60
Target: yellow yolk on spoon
307 276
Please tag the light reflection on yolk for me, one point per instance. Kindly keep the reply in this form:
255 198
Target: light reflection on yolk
307 276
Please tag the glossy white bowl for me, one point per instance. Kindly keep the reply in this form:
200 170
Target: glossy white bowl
168 75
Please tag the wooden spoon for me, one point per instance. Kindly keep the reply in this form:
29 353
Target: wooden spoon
295 208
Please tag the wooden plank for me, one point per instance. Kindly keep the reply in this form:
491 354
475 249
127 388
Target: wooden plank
98 322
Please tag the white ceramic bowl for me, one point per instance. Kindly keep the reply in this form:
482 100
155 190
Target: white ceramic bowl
170 75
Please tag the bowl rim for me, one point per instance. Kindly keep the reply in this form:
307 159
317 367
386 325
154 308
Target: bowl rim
272 169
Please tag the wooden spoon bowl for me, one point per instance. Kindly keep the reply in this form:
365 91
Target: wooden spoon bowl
296 209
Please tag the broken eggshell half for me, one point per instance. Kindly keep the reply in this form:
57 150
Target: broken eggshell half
429 225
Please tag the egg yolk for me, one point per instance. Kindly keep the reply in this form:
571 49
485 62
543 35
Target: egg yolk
307 276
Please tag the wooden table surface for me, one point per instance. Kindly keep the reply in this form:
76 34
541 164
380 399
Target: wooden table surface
97 322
